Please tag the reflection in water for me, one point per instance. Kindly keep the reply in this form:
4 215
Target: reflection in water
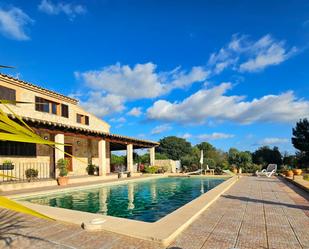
131 196
103 195
202 187
153 190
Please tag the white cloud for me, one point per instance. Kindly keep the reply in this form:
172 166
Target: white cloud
13 22
160 128
214 103
102 105
140 81
135 111
71 10
272 55
273 141
118 120
245 55
215 136
186 136
145 81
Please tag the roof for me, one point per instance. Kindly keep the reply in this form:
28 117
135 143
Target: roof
35 87
114 138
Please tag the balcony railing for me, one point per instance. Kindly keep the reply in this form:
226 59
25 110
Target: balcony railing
25 172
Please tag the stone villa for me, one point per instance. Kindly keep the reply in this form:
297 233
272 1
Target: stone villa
59 118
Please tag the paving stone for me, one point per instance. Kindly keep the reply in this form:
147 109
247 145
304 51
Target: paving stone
253 213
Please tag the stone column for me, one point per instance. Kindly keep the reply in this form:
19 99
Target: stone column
130 157
59 150
102 157
152 156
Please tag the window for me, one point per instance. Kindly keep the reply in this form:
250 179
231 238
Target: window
64 110
41 105
17 149
44 105
82 119
7 93
54 108
79 118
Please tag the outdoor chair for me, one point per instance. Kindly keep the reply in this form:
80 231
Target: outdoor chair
271 170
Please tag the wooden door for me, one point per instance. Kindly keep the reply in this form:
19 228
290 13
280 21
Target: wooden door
69 150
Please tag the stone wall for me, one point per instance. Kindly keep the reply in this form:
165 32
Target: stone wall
171 164
28 110
84 151
43 161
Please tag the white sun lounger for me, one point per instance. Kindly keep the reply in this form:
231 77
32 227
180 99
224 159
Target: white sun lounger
195 172
271 170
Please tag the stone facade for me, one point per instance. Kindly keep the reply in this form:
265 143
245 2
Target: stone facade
84 150
170 164
89 141
27 94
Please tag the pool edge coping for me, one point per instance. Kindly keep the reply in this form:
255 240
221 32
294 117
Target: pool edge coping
163 231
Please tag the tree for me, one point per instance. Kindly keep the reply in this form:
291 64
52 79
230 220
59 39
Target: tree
174 147
117 160
300 140
241 159
212 156
265 155
245 159
289 160
233 156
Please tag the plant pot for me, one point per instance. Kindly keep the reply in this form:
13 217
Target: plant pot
63 180
289 173
234 170
297 172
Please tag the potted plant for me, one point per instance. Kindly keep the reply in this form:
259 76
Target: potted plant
92 169
289 173
297 172
62 165
7 165
31 174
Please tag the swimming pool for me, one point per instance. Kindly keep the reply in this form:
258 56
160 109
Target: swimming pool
147 200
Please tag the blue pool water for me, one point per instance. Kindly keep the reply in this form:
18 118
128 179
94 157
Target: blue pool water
147 200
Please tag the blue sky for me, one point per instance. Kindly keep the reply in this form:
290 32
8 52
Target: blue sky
234 73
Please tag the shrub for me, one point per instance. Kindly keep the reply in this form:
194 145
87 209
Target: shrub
218 171
193 167
251 168
162 169
7 163
151 169
62 165
31 173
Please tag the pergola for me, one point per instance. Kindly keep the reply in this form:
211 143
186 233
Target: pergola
107 142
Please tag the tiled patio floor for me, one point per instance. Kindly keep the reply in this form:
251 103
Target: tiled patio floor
254 213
